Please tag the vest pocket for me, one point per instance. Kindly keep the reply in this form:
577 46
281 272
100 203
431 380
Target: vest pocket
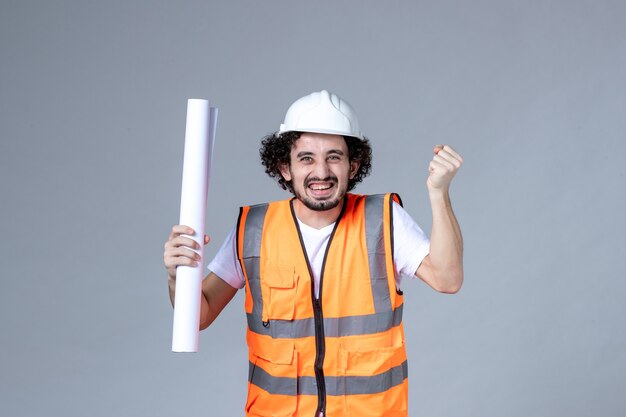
372 362
376 380
273 386
282 287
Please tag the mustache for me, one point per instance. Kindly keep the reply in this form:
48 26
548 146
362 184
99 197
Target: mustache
317 179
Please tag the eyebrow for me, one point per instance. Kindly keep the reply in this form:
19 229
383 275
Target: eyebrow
331 152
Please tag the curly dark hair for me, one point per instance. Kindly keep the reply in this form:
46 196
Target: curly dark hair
276 151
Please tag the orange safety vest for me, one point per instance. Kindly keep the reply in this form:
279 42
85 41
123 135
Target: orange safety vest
342 354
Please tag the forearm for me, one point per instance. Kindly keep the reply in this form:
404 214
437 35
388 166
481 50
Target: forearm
171 283
446 244
204 305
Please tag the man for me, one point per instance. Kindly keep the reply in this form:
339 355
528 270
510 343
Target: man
322 271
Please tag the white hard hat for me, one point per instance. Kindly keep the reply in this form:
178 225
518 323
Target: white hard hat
322 112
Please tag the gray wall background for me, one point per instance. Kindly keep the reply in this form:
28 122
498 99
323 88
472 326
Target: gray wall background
92 114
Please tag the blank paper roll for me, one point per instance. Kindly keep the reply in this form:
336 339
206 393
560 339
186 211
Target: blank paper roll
199 138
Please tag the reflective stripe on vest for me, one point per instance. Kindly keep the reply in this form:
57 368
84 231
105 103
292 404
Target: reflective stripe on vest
349 385
363 344
333 326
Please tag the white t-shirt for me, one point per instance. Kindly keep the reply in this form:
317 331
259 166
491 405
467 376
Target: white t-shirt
411 245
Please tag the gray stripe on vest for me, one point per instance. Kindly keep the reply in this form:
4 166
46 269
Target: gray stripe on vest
375 239
253 231
333 327
335 385
272 384
253 269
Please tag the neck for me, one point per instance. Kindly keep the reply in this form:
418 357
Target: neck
314 218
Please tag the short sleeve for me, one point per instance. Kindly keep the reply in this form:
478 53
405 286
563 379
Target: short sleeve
225 264
411 244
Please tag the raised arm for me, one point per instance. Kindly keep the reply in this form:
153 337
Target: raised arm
442 268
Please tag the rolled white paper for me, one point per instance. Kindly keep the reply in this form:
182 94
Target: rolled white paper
199 138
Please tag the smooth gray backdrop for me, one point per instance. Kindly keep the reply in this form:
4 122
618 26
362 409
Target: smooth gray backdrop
92 117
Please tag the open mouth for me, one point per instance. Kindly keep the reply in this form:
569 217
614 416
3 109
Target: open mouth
321 188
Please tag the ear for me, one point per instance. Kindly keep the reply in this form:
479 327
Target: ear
284 171
354 167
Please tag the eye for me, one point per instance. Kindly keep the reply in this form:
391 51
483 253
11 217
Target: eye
306 159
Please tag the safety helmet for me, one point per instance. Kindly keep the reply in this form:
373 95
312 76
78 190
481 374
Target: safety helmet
322 112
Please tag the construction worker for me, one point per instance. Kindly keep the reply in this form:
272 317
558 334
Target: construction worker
323 270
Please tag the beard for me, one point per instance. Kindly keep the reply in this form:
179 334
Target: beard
320 205
317 205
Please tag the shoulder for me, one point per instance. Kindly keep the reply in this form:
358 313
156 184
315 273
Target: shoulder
386 203
254 216
266 204
390 197
260 208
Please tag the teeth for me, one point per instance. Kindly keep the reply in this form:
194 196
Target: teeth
320 187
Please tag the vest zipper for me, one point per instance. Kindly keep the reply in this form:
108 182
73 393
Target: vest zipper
320 345
319 355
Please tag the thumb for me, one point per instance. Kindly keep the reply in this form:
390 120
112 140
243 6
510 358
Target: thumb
207 239
437 149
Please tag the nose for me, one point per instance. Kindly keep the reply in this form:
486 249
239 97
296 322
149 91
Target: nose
321 169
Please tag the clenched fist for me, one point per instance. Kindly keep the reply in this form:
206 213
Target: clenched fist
444 165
